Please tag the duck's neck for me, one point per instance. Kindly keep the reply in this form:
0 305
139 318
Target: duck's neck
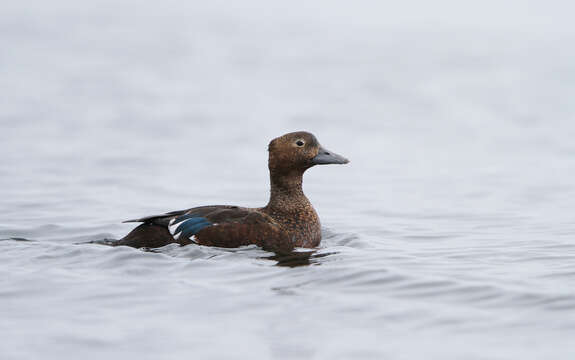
292 210
286 193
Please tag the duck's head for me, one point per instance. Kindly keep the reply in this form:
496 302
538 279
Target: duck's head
298 151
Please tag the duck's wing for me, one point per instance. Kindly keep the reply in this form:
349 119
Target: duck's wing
229 227
222 226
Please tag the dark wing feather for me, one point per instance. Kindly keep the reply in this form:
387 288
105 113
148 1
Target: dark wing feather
164 219
150 218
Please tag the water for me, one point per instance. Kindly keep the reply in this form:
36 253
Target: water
448 236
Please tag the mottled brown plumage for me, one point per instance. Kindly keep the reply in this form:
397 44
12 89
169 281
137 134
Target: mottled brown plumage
287 221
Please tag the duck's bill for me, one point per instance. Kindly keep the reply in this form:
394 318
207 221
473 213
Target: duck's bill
325 157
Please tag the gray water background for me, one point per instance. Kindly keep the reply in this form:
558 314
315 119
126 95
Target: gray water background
450 235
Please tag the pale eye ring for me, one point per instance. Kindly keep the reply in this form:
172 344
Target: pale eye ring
300 143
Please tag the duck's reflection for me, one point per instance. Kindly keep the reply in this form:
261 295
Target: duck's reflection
295 258
298 258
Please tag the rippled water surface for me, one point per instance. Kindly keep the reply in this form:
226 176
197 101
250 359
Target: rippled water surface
450 235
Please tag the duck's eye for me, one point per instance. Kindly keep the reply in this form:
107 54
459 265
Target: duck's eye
299 143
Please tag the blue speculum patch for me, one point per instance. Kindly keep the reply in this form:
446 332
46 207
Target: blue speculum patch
190 225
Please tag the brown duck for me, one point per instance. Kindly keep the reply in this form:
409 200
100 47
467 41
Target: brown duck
287 221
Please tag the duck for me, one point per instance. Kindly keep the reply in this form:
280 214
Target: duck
288 220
